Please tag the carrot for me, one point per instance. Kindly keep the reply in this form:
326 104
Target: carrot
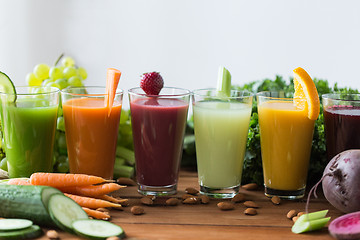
64 179
92 190
19 181
96 214
112 81
112 199
92 203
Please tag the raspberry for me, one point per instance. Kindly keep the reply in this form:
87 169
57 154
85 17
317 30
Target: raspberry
151 83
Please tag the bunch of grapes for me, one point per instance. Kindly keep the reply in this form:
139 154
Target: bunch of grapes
60 75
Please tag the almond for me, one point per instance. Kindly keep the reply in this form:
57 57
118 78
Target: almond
204 199
250 186
137 210
146 201
191 200
300 213
126 181
238 198
185 196
291 214
172 202
52 234
276 200
251 204
295 218
226 206
250 211
191 191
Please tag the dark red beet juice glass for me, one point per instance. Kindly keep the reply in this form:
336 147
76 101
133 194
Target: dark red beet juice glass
342 122
158 124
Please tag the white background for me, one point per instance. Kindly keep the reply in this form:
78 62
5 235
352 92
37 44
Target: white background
185 40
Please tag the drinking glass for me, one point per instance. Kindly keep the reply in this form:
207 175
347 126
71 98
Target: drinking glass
221 126
29 121
158 124
91 129
286 135
341 121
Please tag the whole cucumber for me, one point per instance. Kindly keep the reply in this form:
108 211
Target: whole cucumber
28 202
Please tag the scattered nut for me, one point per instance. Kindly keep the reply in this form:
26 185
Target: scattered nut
137 210
52 234
191 191
226 205
191 200
250 211
251 204
126 181
146 201
152 197
300 213
276 200
204 199
185 196
291 214
172 202
295 218
113 238
238 198
250 186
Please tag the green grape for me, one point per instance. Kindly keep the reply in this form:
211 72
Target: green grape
124 116
62 159
75 81
53 84
41 71
82 72
69 72
56 73
46 81
63 83
68 62
61 142
60 125
32 80
62 167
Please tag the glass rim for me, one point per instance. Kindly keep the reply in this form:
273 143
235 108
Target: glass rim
53 90
195 92
186 92
337 97
259 94
66 91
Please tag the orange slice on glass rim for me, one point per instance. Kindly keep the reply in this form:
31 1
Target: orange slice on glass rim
306 96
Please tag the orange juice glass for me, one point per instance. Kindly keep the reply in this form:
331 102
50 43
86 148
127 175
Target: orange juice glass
286 135
91 130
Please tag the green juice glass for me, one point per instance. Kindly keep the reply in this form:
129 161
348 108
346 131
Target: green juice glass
28 126
221 126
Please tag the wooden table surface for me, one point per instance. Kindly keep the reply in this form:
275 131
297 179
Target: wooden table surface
208 222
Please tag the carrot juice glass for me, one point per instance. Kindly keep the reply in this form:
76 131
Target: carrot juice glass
286 137
91 129
158 123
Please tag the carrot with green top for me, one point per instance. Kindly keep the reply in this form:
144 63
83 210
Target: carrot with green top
96 214
64 179
92 190
92 203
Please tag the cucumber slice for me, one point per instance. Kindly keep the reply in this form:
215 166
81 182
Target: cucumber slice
97 229
14 224
63 211
7 86
33 231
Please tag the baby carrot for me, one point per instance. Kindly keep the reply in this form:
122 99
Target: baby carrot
92 203
64 179
92 190
19 181
96 214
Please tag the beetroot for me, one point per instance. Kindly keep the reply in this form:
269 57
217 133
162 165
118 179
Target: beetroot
341 181
346 226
